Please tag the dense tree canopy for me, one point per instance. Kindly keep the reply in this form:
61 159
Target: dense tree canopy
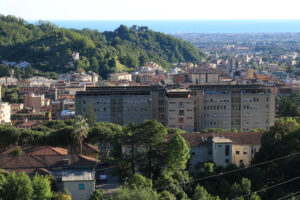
49 48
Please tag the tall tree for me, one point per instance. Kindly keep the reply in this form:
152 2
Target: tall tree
151 134
81 130
178 152
200 193
4 70
41 188
17 186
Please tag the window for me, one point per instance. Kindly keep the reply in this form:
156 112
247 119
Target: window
181 112
181 104
81 186
237 152
180 120
245 150
193 153
161 102
83 101
226 160
227 150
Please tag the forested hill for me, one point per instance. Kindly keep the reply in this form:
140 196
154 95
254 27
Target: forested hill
49 48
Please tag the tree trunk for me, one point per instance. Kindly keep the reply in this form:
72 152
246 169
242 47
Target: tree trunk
132 159
150 162
80 147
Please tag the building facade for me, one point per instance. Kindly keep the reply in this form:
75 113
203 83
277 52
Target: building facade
34 101
4 113
179 107
195 108
122 105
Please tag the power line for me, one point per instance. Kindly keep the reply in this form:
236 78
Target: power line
281 183
239 169
284 197
231 171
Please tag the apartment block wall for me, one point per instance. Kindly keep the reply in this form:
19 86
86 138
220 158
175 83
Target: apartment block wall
217 111
180 113
122 107
256 111
227 107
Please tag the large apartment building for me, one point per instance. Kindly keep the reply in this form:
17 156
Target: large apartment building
197 107
241 107
122 105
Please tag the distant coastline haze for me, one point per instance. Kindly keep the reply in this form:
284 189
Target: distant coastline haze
188 26
150 10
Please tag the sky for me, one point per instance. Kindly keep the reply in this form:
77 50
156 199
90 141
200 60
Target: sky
151 9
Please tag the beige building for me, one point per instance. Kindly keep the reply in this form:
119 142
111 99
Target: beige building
34 101
119 76
4 113
16 107
221 148
204 76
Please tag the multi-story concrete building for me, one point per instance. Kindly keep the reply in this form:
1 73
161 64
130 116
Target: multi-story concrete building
4 113
122 105
198 107
179 105
241 107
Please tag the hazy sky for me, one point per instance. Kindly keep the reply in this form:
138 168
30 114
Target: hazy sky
151 9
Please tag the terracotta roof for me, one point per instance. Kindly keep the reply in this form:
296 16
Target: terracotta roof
93 147
35 163
28 124
242 138
35 150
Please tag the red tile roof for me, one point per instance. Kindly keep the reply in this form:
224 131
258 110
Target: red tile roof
35 150
92 147
35 163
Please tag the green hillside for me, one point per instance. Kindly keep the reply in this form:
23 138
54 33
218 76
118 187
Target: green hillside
49 48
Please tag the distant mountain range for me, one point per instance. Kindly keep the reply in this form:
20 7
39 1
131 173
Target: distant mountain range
49 48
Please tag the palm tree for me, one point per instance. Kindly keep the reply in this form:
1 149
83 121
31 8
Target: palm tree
81 130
